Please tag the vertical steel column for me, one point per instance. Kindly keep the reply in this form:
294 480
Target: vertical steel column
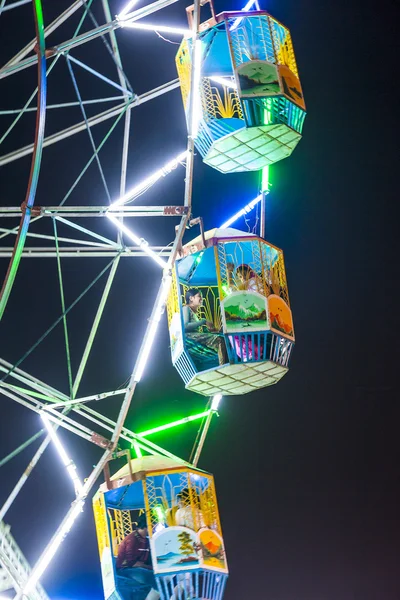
203 438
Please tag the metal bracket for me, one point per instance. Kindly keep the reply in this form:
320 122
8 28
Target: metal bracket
106 468
101 441
36 211
176 210
207 24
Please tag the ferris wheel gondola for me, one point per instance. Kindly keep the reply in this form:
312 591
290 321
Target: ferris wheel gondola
250 106
186 546
241 337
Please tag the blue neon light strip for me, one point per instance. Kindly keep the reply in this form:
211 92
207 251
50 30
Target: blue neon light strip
246 209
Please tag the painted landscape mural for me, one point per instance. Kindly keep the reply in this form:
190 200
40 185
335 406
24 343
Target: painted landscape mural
245 310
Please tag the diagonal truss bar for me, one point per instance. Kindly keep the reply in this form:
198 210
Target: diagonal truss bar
92 143
94 328
15 67
59 319
65 326
95 120
124 83
38 407
36 160
15 229
203 436
113 271
31 393
62 104
26 108
66 422
88 232
27 379
14 568
43 236
24 397
94 397
21 448
159 305
49 29
14 5
96 73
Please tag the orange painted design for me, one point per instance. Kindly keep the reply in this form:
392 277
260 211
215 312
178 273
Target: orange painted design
280 315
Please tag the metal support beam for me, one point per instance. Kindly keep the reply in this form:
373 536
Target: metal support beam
42 236
95 120
118 429
14 568
17 111
94 327
127 210
86 252
49 29
16 65
203 437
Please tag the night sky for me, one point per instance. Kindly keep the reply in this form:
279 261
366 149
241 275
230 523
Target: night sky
306 471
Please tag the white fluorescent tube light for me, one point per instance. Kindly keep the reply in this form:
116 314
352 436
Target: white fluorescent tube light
44 562
126 9
229 83
159 309
138 241
243 211
196 100
63 455
161 28
215 402
143 185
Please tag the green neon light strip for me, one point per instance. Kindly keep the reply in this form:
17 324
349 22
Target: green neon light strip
265 179
174 424
33 394
137 449
36 160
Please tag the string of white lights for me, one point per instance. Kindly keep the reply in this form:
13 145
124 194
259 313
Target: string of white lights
52 548
197 110
215 402
68 463
125 11
161 28
141 242
226 81
246 209
151 333
149 181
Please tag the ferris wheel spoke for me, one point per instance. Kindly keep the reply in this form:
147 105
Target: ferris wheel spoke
86 67
95 120
49 29
17 64
94 327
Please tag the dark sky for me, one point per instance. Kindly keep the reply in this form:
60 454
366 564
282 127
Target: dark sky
307 470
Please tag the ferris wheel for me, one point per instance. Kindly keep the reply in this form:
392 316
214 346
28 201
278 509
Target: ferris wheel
224 291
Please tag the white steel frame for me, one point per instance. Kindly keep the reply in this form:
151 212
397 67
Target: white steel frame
29 391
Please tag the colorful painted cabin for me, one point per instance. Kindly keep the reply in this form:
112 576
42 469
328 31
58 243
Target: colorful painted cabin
253 112
243 283
186 544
